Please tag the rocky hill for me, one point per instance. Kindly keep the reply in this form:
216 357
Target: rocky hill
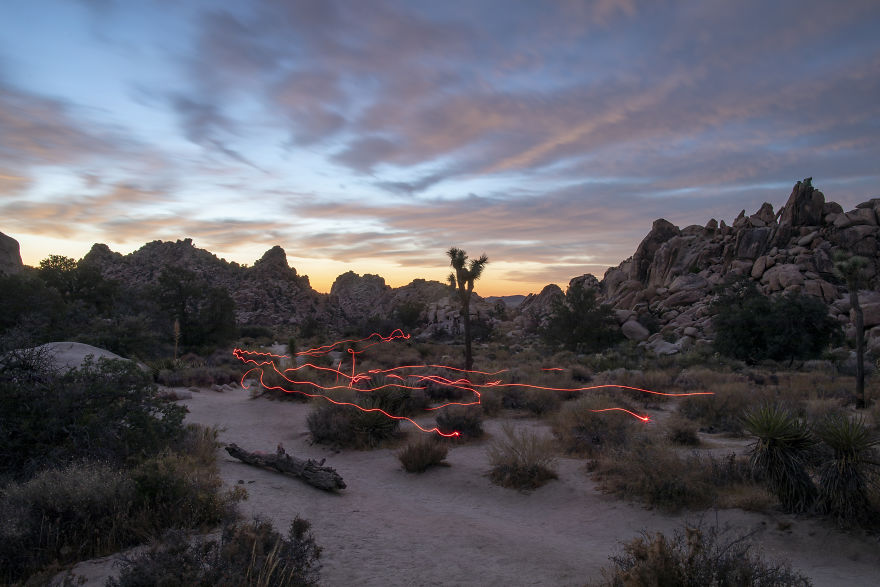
671 277
673 271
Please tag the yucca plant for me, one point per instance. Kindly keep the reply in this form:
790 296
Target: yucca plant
845 478
784 447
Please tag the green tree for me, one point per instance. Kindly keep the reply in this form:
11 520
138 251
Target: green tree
579 323
751 327
462 281
206 314
851 268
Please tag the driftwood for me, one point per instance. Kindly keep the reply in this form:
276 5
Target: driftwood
312 472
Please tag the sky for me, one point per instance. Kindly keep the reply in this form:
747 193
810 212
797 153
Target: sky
372 136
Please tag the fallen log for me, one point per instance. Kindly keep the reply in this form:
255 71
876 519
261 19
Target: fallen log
310 471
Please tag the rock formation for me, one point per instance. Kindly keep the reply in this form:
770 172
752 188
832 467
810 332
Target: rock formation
673 272
10 255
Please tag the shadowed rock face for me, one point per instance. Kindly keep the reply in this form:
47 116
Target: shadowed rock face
10 255
673 272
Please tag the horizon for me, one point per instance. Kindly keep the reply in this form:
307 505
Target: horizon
372 136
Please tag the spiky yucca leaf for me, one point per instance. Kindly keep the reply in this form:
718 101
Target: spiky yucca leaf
845 478
784 447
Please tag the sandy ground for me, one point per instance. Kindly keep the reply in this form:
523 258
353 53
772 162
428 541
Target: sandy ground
451 526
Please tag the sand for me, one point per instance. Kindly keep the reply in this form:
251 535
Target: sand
451 526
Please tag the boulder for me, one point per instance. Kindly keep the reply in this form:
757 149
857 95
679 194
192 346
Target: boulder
752 242
64 356
661 231
870 312
10 255
633 330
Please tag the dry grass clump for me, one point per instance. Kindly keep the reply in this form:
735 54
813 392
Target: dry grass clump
424 453
582 429
681 431
246 554
654 474
723 411
696 557
521 459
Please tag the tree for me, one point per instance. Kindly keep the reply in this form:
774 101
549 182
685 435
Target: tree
752 327
580 323
463 279
206 314
850 268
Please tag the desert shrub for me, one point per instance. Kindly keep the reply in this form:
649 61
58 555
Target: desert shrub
107 410
781 454
682 431
724 410
752 327
491 402
654 474
541 402
246 554
520 459
513 398
467 420
424 453
64 515
178 490
581 429
349 427
696 557
844 479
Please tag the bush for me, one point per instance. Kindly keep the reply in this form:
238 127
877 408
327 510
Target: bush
467 420
107 410
521 460
541 402
656 475
64 515
683 432
426 452
694 558
752 327
246 554
582 430
724 410
580 324
781 454
349 427
844 478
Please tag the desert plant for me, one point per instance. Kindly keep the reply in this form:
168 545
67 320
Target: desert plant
424 453
466 420
579 323
781 454
682 431
107 410
462 282
521 459
252 553
722 411
582 427
845 478
346 426
752 327
852 269
541 402
696 557
656 475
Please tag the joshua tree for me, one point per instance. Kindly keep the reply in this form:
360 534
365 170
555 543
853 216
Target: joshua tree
463 282
850 268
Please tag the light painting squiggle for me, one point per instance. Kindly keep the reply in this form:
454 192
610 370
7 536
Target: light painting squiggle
408 377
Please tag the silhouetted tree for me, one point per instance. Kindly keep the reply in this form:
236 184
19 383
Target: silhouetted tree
850 268
580 323
462 281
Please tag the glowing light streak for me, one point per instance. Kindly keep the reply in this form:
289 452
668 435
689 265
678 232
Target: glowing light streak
408 377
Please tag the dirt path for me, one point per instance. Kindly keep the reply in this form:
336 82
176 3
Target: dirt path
450 526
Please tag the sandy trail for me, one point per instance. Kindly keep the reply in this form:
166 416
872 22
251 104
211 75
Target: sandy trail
451 526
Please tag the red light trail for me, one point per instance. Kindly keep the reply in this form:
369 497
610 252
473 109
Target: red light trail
409 377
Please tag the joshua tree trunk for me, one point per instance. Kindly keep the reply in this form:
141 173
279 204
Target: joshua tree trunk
468 355
860 344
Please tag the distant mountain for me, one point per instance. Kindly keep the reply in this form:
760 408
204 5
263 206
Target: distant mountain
510 302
